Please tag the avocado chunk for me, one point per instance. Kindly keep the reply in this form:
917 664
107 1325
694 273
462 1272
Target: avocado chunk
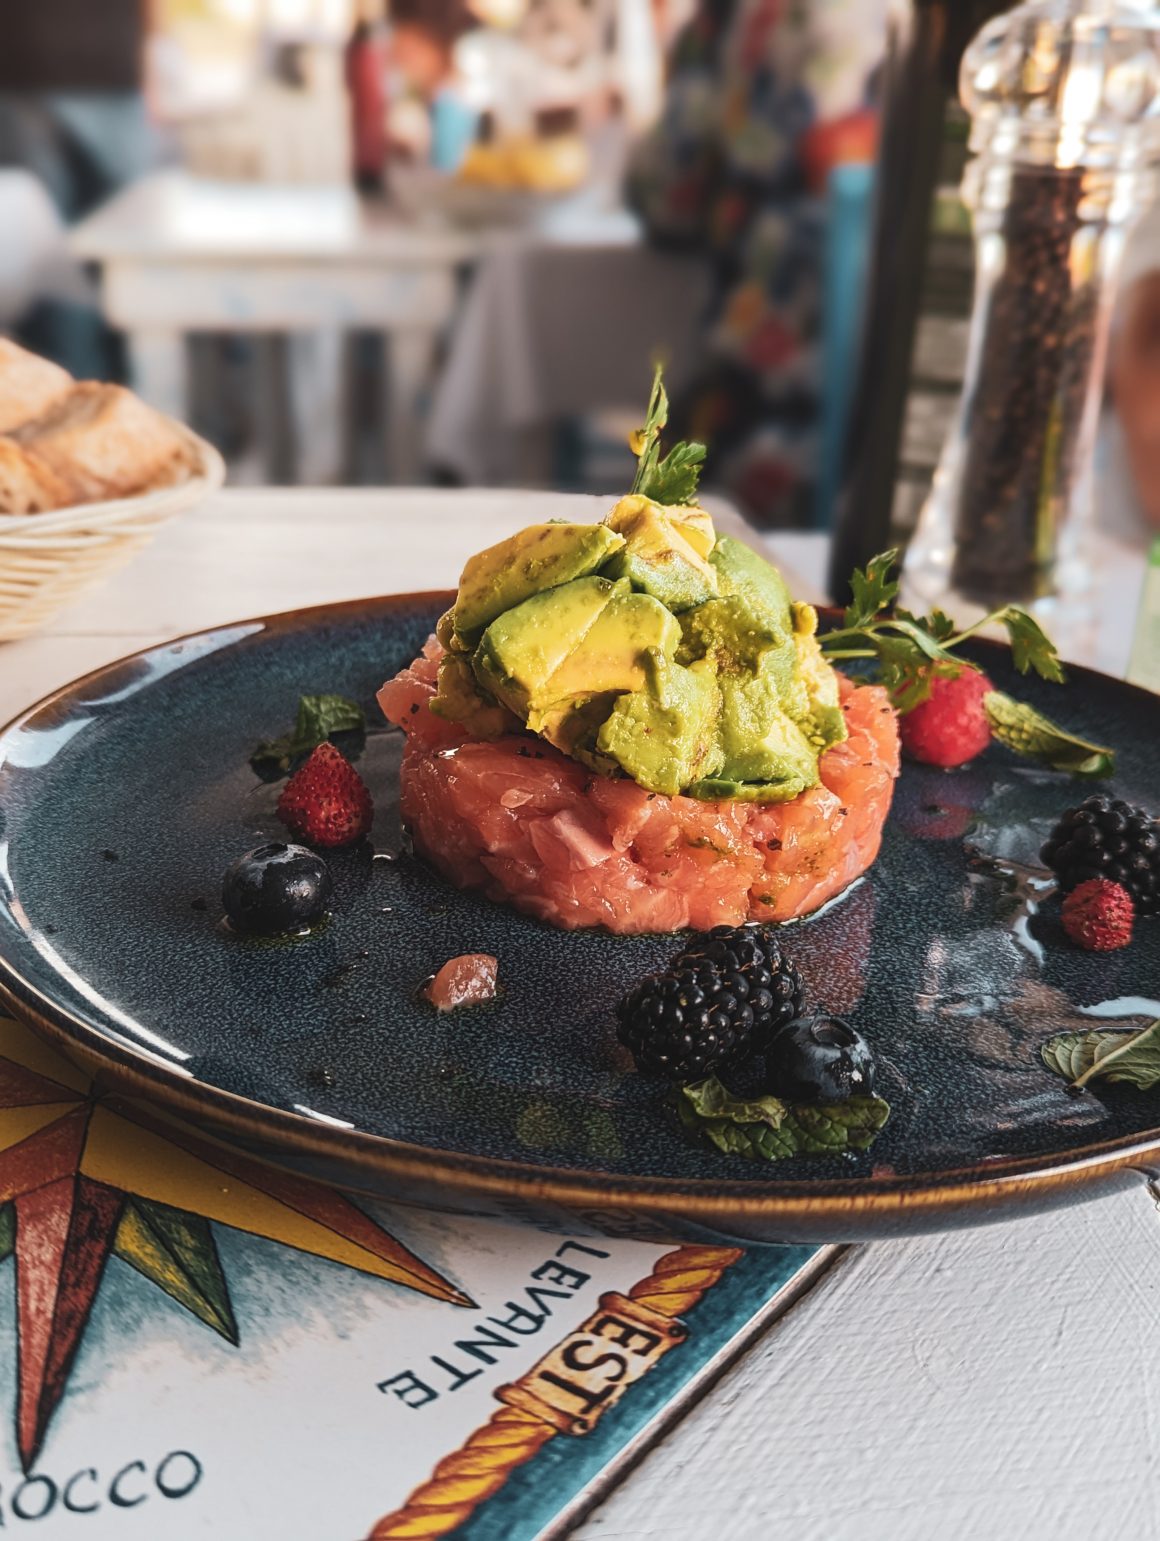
460 699
540 558
665 736
760 741
573 726
523 647
739 637
587 638
823 721
611 656
742 571
718 789
657 558
695 525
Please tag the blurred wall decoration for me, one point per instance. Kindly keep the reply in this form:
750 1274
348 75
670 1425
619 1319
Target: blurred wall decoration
763 101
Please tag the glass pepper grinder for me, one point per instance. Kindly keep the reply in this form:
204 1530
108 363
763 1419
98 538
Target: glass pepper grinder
1064 97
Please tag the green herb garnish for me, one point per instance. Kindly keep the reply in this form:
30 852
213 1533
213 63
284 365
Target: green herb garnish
1030 733
767 1129
671 479
319 718
1106 1054
912 651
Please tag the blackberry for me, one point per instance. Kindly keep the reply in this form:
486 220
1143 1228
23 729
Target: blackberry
754 958
721 999
1107 838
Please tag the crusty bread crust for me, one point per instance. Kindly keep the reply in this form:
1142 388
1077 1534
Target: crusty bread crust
29 385
107 443
27 484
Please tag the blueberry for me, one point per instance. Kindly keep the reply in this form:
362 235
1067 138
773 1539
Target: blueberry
276 889
819 1060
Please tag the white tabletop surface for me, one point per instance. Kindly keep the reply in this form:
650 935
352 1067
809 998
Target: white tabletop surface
980 1385
173 215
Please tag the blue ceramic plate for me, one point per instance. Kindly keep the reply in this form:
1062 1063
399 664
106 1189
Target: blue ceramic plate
124 797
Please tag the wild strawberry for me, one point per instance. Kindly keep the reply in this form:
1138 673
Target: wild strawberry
325 802
950 727
1098 915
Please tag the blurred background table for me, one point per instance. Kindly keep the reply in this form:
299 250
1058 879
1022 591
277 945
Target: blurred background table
560 321
180 254
989 1383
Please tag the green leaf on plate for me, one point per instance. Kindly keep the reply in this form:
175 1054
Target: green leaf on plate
1106 1054
319 718
767 1129
1031 647
1030 733
937 624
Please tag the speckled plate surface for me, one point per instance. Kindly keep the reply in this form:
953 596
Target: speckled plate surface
125 796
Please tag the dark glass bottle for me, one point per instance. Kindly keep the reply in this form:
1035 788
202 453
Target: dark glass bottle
365 68
925 44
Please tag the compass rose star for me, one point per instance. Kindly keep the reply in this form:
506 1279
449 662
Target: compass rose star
83 1178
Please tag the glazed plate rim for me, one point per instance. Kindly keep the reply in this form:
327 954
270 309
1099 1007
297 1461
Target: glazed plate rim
990 1182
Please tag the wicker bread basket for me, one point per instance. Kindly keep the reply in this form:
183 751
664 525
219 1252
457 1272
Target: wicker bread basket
47 559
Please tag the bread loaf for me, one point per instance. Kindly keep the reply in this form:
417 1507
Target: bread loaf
27 484
28 385
106 443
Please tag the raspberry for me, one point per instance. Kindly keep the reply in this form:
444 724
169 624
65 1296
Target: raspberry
950 727
1098 915
325 802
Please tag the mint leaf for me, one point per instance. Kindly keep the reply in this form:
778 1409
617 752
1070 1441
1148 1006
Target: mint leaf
767 1129
319 718
1106 1054
674 478
872 590
1030 733
852 1125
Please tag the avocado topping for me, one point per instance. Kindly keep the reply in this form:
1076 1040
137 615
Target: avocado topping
542 557
645 646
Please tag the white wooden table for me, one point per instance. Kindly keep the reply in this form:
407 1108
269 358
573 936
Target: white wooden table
976 1386
179 254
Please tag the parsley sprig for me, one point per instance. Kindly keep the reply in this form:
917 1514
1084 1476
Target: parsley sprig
672 478
912 651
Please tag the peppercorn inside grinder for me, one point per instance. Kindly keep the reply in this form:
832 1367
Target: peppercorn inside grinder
1064 97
